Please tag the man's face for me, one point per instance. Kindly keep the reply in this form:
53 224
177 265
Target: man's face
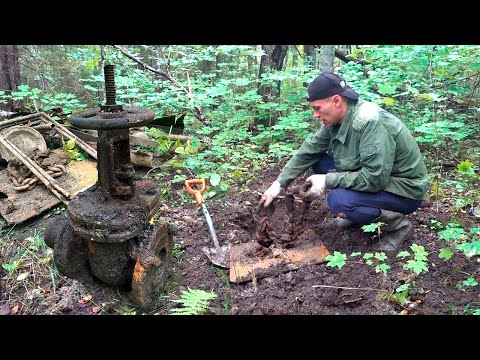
328 110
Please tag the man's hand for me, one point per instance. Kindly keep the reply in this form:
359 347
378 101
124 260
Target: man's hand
318 186
270 195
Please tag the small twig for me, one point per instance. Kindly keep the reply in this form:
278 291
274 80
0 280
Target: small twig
462 272
154 168
345 288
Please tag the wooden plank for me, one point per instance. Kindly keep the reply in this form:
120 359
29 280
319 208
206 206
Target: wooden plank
247 262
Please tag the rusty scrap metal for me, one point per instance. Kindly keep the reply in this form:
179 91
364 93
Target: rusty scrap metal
297 222
96 119
112 122
43 127
108 234
21 176
43 118
18 120
37 170
115 171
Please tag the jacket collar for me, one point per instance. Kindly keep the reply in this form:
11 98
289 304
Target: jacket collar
342 132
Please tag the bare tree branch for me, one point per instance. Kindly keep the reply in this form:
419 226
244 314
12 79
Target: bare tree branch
195 111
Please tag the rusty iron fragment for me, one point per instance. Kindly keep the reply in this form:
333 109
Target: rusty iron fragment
16 207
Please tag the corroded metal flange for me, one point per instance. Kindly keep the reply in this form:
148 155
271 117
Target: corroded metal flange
154 254
113 219
98 120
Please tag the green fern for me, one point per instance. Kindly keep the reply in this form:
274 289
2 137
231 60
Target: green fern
195 302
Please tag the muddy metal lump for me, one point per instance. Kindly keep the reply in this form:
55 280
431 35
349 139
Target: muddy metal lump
296 223
108 235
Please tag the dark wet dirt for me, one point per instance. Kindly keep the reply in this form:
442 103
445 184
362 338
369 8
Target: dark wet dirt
355 289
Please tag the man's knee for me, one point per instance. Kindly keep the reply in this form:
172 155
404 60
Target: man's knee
339 200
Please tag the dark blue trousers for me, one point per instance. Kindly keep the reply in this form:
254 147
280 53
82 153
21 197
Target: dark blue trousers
362 207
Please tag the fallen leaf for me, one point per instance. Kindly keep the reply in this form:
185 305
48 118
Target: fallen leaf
14 309
96 309
22 276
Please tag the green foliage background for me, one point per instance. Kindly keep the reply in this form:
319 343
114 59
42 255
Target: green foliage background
433 88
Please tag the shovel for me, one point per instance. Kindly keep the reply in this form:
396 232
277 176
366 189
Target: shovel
219 255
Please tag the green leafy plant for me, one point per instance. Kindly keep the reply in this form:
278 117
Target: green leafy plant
452 232
466 169
435 224
382 268
336 260
399 296
445 253
73 152
374 227
12 267
194 302
419 262
177 251
368 257
468 282
376 259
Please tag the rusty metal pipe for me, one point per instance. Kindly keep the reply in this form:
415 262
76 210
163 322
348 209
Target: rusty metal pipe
43 127
18 120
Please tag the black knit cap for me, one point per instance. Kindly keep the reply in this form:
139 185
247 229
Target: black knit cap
328 84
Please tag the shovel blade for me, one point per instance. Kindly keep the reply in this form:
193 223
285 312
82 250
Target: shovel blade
221 258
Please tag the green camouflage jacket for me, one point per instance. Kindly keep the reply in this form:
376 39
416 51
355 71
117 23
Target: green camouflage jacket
373 151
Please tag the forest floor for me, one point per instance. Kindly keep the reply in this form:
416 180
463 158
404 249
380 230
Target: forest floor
359 287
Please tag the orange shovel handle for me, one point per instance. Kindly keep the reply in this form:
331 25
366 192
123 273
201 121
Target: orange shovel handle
197 193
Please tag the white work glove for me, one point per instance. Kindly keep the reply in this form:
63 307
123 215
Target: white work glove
318 186
270 195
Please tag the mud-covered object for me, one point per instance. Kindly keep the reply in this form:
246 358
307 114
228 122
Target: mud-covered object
26 139
153 265
71 257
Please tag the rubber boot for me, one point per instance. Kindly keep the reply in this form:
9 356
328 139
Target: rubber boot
397 229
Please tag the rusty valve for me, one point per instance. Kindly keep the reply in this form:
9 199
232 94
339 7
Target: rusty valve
108 236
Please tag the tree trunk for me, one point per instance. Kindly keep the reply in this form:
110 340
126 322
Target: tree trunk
346 49
251 61
273 59
207 66
310 54
326 56
156 56
9 72
294 64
